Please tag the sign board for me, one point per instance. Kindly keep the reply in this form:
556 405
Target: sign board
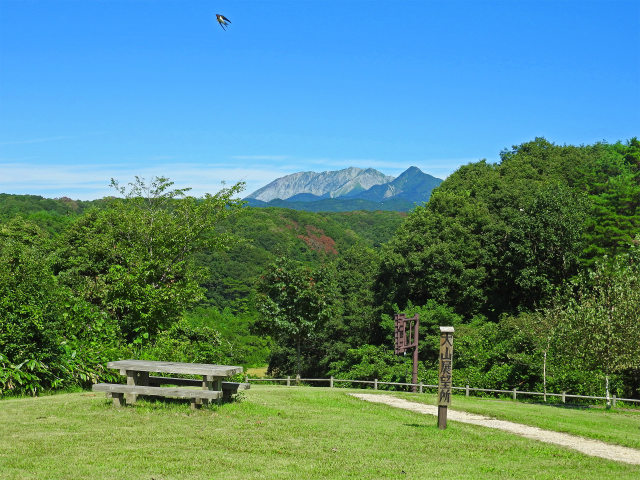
406 333
406 338
445 368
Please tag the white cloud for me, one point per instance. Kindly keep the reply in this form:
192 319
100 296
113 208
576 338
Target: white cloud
89 182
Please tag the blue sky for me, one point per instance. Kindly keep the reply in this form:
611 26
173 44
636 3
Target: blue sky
95 89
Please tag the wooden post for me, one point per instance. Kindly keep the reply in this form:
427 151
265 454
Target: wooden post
421 385
118 399
289 381
466 391
445 377
515 395
564 400
331 382
442 417
414 373
298 379
613 401
375 383
135 377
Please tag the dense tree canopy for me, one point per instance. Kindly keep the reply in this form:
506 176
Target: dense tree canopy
533 259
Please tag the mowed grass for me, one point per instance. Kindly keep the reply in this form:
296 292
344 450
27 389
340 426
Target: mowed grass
274 432
619 426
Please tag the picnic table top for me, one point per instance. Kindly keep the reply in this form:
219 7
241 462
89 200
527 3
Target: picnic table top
175 367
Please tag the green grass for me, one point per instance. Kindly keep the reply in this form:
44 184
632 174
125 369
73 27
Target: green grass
618 425
274 432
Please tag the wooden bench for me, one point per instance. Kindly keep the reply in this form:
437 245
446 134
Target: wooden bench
228 388
118 391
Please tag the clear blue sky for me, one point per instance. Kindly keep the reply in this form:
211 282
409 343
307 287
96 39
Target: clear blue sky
95 89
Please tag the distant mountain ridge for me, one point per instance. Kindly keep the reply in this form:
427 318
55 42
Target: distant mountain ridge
329 184
345 190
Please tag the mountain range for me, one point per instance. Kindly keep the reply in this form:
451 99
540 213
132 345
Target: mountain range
348 189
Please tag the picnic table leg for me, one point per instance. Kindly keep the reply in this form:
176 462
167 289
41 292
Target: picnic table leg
207 384
118 399
135 378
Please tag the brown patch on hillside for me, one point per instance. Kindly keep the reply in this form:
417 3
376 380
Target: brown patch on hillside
318 241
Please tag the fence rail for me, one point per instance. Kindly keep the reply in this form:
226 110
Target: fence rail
422 386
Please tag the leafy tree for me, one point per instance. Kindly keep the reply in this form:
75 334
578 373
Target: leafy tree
600 324
615 217
494 238
295 302
30 311
134 258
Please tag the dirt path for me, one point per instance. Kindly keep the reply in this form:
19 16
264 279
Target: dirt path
587 446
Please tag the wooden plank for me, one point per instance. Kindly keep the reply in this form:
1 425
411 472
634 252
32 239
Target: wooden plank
191 382
185 382
234 386
157 391
231 388
176 367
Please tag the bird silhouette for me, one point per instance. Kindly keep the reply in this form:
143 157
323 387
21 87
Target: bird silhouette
222 20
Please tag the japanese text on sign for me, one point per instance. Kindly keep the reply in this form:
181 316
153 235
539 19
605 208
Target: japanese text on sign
445 368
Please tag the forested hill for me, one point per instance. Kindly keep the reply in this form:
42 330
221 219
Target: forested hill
260 235
266 233
535 260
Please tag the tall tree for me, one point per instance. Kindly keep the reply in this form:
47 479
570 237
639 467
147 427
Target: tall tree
600 324
134 258
295 302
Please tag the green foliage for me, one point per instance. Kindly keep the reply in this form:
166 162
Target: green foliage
240 345
600 322
295 302
267 233
501 238
134 259
370 362
183 342
157 273
30 307
48 338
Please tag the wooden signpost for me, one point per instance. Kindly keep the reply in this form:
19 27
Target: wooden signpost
406 338
445 371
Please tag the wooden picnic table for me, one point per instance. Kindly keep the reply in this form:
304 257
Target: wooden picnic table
139 382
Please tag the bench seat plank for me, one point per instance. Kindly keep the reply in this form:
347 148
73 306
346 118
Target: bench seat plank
190 382
157 391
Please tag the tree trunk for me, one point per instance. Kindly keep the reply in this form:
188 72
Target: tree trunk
298 359
544 375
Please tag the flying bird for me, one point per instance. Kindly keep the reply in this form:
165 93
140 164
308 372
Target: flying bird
222 20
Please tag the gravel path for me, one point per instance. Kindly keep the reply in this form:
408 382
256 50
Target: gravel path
587 446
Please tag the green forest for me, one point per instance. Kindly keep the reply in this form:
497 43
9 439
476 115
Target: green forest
535 260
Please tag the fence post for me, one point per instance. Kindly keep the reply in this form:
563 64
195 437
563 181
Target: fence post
613 402
246 379
420 387
331 382
515 395
288 380
298 379
466 391
564 400
375 383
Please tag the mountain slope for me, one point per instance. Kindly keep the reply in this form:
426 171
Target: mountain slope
327 184
397 194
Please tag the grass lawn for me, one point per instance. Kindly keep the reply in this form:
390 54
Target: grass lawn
619 426
274 432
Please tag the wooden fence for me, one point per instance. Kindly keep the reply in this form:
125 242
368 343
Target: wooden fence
423 386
